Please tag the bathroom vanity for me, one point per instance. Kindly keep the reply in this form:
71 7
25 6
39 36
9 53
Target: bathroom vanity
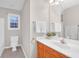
52 48
47 52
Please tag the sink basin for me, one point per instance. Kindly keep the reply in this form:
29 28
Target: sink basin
61 45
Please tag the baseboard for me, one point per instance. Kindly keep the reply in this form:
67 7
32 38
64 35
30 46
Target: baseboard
1 52
24 52
11 47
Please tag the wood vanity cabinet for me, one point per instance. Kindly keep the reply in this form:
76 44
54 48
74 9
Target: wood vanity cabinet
44 51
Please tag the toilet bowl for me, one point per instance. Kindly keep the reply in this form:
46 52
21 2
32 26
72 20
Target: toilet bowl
14 42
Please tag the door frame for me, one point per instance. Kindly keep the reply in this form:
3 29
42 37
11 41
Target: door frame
3 43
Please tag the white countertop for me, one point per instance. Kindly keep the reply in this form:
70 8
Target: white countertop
64 49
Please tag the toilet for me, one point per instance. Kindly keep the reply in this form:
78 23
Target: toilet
14 43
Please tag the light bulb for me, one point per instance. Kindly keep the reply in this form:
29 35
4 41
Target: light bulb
56 3
51 1
61 0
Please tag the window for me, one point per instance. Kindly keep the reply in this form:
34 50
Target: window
13 22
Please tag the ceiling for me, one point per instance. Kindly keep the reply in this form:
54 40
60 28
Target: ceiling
12 4
69 3
18 4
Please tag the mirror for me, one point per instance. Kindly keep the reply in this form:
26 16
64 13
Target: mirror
55 20
68 17
70 22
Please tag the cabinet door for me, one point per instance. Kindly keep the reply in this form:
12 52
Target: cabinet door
44 51
40 50
48 55
51 53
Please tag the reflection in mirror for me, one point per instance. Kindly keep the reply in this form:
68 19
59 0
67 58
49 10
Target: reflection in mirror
68 17
71 22
55 19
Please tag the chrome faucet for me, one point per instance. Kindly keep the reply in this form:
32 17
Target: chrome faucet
62 40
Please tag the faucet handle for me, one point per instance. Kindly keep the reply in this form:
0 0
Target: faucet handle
62 40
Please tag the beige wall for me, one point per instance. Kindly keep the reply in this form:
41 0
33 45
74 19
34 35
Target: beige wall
8 33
